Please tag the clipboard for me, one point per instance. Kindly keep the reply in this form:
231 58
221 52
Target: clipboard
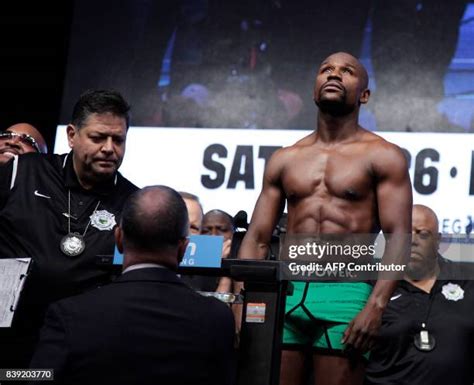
13 274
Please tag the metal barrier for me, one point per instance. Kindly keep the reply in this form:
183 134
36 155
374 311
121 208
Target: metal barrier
259 350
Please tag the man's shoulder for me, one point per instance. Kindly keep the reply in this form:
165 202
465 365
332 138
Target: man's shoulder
87 305
378 143
206 304
375 141
39 160
216 312
305 141
91 304
124 184
382 154
295 148
36 164
456 270
203 301
87 296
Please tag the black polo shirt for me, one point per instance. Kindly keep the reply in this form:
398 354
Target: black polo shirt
396 360
34 194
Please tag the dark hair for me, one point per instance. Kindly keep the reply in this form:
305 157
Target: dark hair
154 218
99 102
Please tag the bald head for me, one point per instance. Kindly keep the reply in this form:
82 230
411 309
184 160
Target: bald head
28 129
341 86
25 139
154 220
424 217
425 243
351 61
218 222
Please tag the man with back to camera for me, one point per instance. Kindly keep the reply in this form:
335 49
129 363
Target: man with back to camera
435 300
18 139
60 210
340 179
147 327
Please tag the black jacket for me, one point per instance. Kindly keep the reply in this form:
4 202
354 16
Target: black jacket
147 327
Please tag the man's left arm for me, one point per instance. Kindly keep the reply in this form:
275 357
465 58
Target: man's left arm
394 202
225 358
51 351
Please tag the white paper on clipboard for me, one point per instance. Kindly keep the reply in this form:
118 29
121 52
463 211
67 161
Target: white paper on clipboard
13 273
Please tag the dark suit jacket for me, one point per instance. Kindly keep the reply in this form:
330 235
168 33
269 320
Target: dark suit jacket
147 327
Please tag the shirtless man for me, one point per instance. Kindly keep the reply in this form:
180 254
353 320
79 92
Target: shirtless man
339 179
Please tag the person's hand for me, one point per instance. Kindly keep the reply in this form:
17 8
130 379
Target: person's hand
226 248
225 285
238 308
363 329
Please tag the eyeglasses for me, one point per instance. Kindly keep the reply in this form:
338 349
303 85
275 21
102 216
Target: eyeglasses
24 138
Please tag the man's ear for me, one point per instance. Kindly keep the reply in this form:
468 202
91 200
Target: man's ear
364 96
119 238
182 246
71 134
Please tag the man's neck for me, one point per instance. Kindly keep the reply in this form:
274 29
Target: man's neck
138 266
83 180
134 257
86 181
426 283
423 284
337 128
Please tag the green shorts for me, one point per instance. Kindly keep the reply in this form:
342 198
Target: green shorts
318 312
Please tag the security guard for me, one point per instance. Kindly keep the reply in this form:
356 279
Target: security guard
427 333
60 210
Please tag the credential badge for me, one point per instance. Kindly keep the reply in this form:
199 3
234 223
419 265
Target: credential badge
453 292
72 244
103 220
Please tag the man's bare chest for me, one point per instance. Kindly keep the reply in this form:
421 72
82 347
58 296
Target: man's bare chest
328 175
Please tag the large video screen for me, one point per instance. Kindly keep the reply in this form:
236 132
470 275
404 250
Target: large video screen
251 64
227 82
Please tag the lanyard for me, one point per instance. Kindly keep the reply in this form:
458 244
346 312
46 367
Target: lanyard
424 340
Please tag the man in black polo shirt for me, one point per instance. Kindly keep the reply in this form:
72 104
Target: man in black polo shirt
61 210
427 333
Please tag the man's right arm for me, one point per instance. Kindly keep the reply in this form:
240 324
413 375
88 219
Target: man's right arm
267 212
6 171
